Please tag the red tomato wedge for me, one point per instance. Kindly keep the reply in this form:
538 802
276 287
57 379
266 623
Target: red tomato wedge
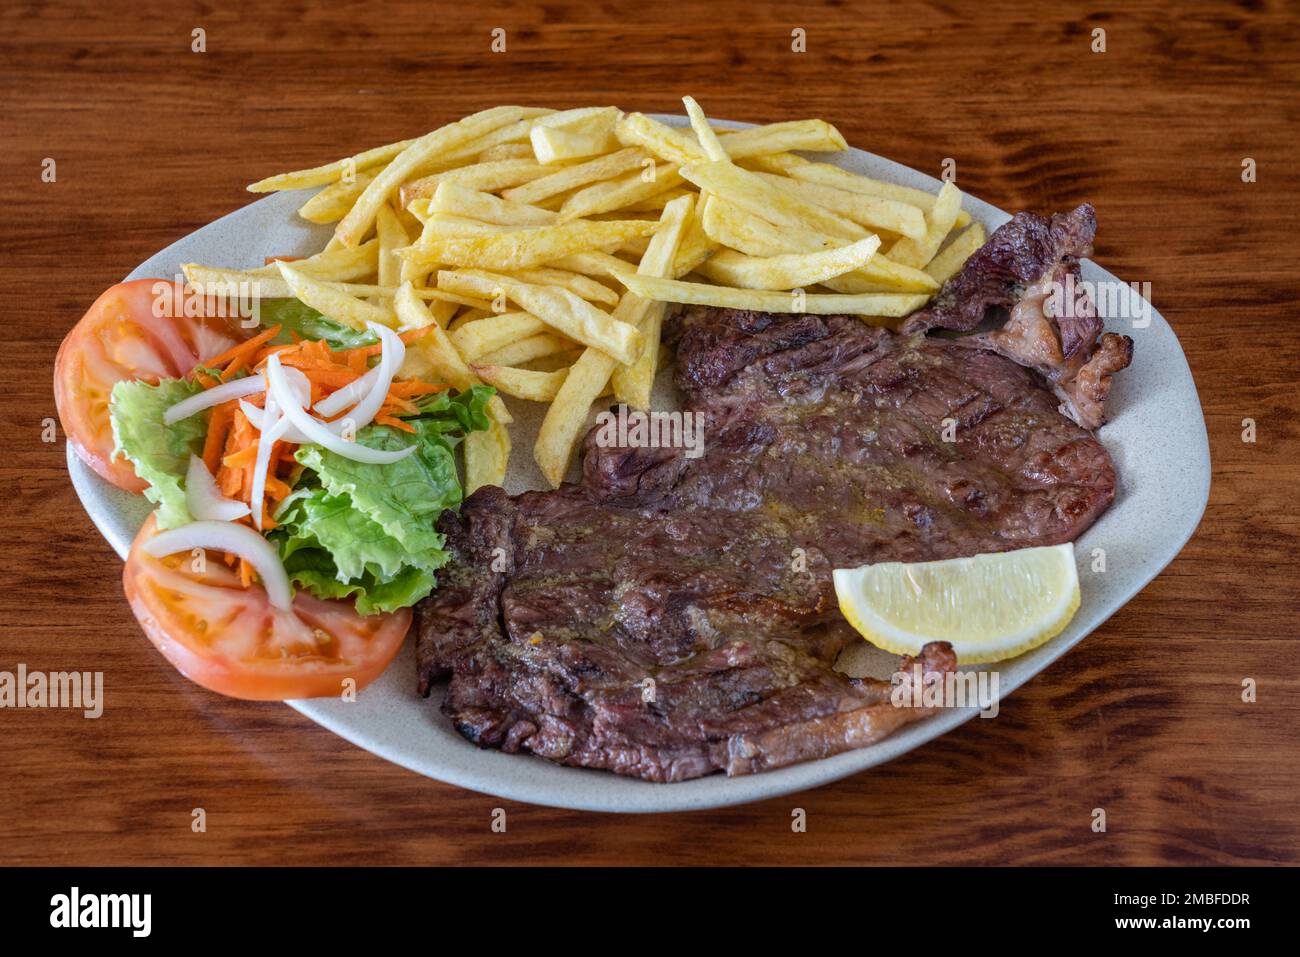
231 640
129 333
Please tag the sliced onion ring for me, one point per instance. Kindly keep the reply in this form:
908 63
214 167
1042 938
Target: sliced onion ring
249 385
265 443
340 399
255 418
204 500
392 354
317 431
234 539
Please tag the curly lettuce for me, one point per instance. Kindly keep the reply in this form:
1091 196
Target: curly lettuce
160 453
355 529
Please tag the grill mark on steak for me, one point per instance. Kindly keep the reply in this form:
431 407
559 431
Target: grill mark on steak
823 439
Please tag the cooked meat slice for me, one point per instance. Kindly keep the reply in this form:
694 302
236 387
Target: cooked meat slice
1018 255
671 617
1031 265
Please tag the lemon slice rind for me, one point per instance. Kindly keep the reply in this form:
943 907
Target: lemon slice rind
990 607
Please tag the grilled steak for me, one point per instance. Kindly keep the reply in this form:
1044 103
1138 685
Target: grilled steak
669 617
1031 266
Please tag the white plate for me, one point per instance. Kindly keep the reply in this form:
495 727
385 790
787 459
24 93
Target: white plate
1156 436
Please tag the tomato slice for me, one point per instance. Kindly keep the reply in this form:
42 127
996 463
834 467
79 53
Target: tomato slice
126 334
232 640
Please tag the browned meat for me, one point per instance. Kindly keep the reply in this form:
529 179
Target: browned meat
708 580
1031 265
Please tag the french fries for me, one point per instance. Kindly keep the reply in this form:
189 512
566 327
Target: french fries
488 176
617 193
536 251
260 286
524 248
352 227
523 383
487 455
946 264
333 202
677 146
559 308
392 236
481 336
541 346
755 236
330 172
632 384
799 168
329 301
889 305
938 223
574 177
792 270
872 212
750 191
437 348
590 374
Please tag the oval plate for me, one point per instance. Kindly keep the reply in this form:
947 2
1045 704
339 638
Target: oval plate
1156 436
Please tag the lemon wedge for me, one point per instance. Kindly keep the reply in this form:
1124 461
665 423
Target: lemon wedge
989 607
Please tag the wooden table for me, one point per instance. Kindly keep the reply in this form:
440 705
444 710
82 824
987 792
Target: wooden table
1145 718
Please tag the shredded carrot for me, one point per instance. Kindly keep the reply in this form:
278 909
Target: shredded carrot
237 460
245 348
414 387
408 337
275 488
383 418
394 404
269 351
219 423
240 436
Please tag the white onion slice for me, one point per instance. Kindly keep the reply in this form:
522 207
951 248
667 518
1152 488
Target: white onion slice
317 431
340 399
302 389
254 416
265 443
235 539
204 499
391 357
249 385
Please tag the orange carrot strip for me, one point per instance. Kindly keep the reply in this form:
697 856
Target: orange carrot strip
235 367
219 423
414 387
385 419
244 348
276 489
408 337
237 460
269 351
391 403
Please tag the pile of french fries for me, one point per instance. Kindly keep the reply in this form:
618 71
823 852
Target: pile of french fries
540 248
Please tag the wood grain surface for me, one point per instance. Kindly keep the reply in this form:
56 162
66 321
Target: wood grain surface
1145 719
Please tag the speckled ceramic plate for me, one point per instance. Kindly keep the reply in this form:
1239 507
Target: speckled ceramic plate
1156 436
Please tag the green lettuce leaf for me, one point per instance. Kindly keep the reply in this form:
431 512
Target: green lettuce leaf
297 317
314 569
160 453
358 529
